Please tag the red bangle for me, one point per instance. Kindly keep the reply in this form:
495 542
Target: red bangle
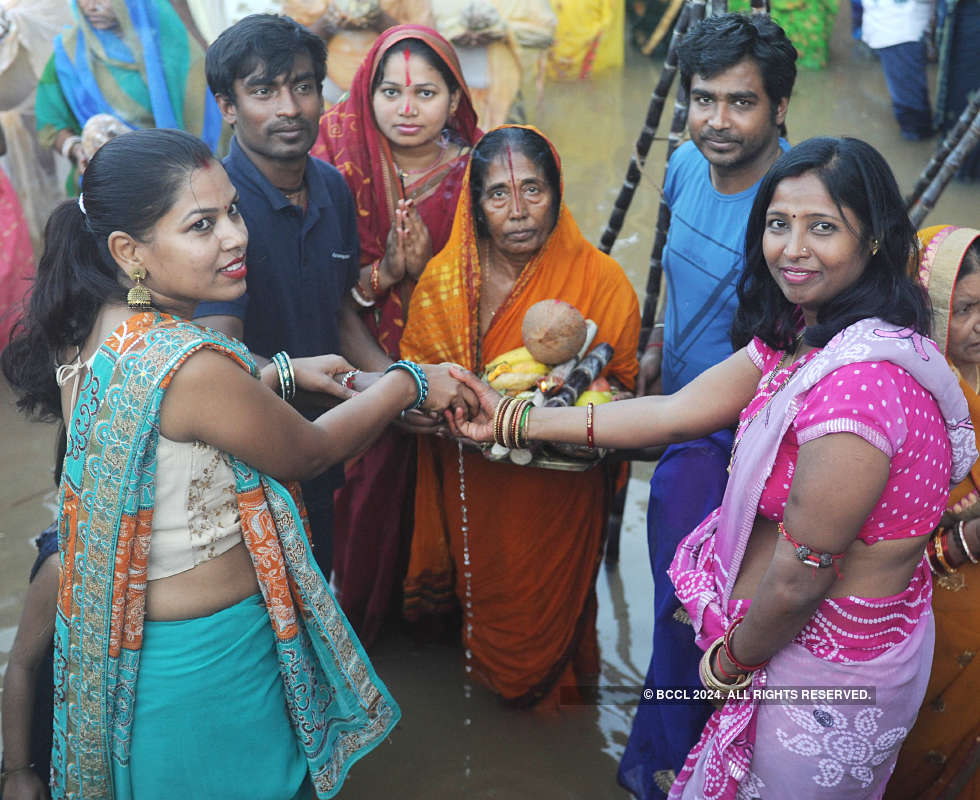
731 656
376 278
721 669
658 344
590 425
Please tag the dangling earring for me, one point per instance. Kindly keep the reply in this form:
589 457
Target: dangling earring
139 298
874 247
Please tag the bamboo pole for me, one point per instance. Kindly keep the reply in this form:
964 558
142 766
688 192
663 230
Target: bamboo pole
969 140
677 125
663 26
943 150
647 133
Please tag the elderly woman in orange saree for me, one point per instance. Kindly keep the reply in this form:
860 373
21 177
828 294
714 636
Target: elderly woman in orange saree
516 547
401 140
941 755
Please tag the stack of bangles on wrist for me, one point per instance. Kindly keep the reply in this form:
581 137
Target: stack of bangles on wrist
421 382
287 378
510 423
739 681
938 549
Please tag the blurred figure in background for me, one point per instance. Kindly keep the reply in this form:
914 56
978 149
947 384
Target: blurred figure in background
894 30
134 59
959 71
27 33
16 254
808 25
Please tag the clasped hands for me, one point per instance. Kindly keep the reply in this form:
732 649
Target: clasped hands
458 403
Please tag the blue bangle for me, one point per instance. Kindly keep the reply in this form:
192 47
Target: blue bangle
421 382
287 381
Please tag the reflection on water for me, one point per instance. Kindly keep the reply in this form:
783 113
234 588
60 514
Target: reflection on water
455 740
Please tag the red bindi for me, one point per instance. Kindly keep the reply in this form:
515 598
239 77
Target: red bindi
408 77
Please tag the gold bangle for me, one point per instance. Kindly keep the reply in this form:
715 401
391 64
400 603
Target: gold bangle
938 541
502 405
708 678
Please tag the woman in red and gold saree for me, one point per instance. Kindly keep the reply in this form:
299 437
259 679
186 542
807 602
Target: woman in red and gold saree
373 511
522 558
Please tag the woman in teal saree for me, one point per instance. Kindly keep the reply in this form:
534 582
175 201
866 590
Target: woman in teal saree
233 673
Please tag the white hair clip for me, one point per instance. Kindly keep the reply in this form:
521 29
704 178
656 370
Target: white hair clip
81 205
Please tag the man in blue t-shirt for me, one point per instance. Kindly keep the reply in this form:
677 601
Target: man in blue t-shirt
266 73
739 73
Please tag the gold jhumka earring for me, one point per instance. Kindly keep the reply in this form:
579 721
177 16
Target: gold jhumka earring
139 298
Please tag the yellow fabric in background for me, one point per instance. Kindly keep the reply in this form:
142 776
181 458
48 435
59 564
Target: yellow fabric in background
611 46
589 38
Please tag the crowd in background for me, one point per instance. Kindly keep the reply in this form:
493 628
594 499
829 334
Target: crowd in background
368 169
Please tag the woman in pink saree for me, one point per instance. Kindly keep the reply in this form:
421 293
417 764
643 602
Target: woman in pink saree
808 588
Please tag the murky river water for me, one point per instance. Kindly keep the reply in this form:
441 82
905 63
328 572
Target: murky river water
455 740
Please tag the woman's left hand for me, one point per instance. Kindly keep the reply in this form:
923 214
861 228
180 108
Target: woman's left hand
323 374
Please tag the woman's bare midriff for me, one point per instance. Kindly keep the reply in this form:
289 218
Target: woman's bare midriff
870 571
207 588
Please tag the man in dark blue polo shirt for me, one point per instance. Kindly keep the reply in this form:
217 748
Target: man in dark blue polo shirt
266 73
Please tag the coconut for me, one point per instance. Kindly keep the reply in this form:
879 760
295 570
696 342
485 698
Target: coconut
553 331
100 129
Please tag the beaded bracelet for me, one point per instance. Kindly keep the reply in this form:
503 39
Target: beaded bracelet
421 382
287 378
961 534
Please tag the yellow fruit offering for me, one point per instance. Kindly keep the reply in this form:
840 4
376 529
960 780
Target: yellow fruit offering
593 397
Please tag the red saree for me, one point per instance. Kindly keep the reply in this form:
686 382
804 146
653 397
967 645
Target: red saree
373 511
535 535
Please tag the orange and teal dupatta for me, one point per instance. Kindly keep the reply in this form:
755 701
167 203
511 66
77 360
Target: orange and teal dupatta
338 707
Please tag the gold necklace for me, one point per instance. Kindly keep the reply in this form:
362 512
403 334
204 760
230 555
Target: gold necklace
976 380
